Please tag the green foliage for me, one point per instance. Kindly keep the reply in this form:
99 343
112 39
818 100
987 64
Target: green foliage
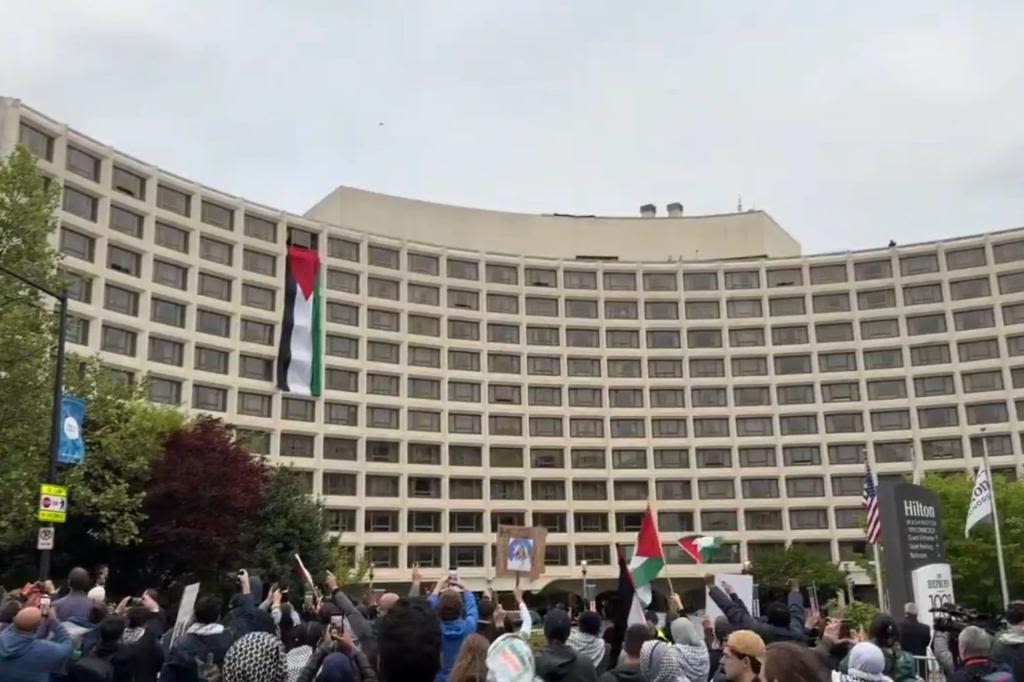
27 339
859 612
773 572
289 522
350 568
123 434
973 560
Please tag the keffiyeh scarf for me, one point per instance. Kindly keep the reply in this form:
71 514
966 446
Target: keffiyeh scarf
256 657
659 662
587 645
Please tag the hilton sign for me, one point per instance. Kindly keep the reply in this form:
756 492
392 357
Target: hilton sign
914 560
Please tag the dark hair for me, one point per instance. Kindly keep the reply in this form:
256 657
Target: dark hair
557 626
9 610
304 634
137 616
449 605
652 617
590 623
110 629
636 635
97 613
287 624
1015 612
79 580
778 615
326 610
793 663
409 640
485 609
208 608
883 631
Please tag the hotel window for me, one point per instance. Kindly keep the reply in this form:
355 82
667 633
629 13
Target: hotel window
466 489
792 364
83 163
121 300
620 310
118 340
258 262
714 458
700 281
886 358
622 338
665 458
79 203
78 330
888 389
38 142
795 394
929 355
548 396
788 336
254 404
668 397
922 294
382 417
263 334
79 287
584 367
668 428
620 281
879 329
382 257
215 251
919 265
209 398
937 417
798 424
791 305
664 369
423 294
969 288
423 325
760 488
511 458
380 486
981 318
801 455
547 490
708 397
840 392
463 423
260 228
833 332
464 329
173 200
744 338
166 351
873 300
254 367
547 458
807 519
626 428
384 320
707 367
828 274
710 427
542 336
747 279
575 338
762 519
213 323
977 382
704 338
983 349
76 244
214 287
343 280
673 490
216 215
1008 251
788 277
381 384
297 409
423 420
126 222
171 237
716 489
702 310
170 274
541 277
341 414
123 260
463 269
211 360
498 274
503 303
986 413
831 303
466 300
753 426
343 248
875 269
890 420
747 396
926 324
846 453
465 456
660 281
578 279
168 392
757 457
423 264
505 425
661 310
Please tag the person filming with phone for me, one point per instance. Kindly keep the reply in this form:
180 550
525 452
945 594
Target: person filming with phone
457 609
26 658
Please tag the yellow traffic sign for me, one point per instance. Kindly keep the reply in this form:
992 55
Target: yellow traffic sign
53 503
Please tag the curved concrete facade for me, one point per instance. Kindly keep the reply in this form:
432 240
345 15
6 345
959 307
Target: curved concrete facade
466 389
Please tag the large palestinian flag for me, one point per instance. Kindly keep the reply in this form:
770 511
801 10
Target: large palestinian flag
647 559
299 361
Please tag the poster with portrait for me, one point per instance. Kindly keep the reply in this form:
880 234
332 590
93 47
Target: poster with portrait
520 551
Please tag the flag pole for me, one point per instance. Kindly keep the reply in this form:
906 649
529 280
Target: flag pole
878 578
995 520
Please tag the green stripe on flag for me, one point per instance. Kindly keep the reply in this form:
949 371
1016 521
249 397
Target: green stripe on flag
646 571
316 366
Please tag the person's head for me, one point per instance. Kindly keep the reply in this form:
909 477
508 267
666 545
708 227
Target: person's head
557 626
743 656
409 642
97 613
485 610
27 619
449 605
685 632
590 623
867 660
777 615
207 609
636 635
883 631
722 629
910 611
102 572
254 657
138 616
308 633
652 618
471 663
9 610
974 643
97 595
111 629
1015 613
327 610
338 667
789 662
386 602
78 580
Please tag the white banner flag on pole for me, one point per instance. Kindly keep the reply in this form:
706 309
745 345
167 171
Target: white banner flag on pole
981 501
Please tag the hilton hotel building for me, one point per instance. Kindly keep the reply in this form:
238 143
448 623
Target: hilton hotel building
486 368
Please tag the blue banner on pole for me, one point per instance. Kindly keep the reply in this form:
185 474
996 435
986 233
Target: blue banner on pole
72 444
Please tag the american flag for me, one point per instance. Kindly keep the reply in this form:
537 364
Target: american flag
871 506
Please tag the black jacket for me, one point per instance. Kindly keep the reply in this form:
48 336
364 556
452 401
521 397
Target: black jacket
139 661
915 637
976 668
180 665
559 663
624 673
736 611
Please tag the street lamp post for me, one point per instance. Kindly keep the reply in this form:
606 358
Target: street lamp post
58 389
583 568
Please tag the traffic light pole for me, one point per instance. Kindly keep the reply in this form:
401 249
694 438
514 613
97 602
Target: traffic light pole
58 390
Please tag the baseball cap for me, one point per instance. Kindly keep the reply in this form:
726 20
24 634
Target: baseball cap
746 643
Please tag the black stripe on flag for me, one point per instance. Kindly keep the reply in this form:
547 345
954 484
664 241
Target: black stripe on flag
284 351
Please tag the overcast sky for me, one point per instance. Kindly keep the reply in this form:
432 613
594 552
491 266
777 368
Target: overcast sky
851 123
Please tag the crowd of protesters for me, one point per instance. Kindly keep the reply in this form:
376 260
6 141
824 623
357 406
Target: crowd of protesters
449 635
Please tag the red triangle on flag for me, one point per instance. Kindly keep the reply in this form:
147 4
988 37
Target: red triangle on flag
303 263
689 545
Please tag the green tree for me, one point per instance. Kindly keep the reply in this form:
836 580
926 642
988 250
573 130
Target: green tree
123 435
773 571
973 560
349 566
289 522
27 339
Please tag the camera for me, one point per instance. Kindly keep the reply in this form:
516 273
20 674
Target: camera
953 618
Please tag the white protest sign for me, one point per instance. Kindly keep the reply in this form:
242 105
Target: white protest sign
742 585
185 610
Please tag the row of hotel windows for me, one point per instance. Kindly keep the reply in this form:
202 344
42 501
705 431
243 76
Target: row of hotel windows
180 202
430 521
512 457
176 275
472 556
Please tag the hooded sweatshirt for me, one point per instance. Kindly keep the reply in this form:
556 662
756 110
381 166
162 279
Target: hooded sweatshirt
24 658
1009 649
558 663
453 632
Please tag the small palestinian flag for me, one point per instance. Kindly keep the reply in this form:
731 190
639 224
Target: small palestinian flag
299 362
701 547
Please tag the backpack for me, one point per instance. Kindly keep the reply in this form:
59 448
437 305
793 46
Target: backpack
208 670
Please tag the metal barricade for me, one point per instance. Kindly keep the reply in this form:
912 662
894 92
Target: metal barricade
928 669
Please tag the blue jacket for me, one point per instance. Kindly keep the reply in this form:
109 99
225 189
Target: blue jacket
25 658
453 632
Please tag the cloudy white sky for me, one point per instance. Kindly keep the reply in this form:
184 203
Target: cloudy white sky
852 123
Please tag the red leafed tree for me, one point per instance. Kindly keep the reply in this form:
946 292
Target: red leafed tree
203 492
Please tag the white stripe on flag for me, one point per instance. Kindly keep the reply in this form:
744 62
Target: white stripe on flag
300 368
